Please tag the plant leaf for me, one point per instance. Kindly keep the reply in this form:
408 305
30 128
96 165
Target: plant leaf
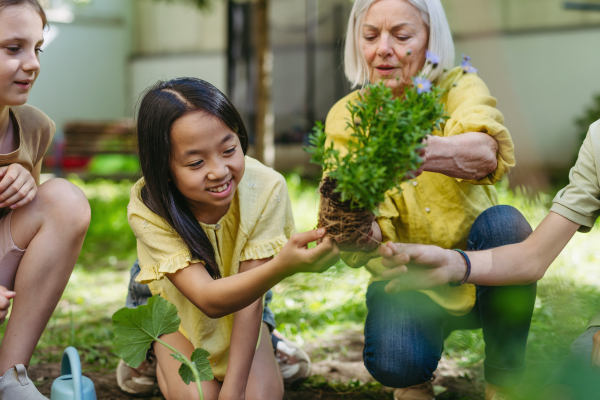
136 328
200 360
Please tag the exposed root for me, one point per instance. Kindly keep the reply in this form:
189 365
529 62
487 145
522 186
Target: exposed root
344 224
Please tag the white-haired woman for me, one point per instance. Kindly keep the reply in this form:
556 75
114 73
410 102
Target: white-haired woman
452 204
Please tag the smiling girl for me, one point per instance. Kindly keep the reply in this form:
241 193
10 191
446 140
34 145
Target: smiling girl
42 227
208 221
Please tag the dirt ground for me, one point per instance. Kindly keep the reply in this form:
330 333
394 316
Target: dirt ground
337 359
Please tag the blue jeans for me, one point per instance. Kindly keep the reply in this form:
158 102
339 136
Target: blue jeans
405 332
138 295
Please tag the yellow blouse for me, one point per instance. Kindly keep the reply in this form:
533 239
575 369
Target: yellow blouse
434 208
256 226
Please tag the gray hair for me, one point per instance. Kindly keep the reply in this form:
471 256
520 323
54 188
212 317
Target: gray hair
440 40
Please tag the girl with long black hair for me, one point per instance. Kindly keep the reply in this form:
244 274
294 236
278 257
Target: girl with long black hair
209 221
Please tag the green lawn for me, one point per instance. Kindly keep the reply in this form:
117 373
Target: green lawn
309 307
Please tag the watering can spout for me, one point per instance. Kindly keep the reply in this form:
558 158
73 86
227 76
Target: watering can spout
71 385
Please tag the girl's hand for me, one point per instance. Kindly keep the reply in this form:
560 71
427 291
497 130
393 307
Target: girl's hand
5 296
17 186
419 267
596 351
297 257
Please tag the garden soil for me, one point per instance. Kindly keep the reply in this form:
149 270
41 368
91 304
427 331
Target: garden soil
336 359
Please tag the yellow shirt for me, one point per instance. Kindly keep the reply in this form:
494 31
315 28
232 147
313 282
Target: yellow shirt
434 208
256 226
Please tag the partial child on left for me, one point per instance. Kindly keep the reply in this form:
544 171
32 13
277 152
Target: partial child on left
42 226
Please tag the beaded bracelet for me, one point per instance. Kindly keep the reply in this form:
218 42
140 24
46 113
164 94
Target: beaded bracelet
466 278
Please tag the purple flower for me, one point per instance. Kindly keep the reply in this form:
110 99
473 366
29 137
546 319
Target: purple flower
432 58
422 84
466 65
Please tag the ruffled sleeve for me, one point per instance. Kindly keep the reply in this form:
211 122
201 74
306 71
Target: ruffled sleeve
270 222
160 249
472 109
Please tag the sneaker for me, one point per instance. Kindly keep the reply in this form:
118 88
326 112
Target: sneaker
16 385
140 381
423 391
293 361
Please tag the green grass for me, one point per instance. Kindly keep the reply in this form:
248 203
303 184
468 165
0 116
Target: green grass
310 307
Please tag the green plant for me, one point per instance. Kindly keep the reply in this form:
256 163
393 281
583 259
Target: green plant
387 134
136 329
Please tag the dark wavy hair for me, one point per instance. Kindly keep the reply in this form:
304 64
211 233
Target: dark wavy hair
33 3
161 106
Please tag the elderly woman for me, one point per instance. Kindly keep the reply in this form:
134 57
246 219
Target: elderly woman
451 204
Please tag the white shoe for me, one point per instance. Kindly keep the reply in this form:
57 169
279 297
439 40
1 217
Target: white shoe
293 361
138 381
16 385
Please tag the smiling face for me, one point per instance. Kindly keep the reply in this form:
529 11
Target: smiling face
206 164
21 36
391 29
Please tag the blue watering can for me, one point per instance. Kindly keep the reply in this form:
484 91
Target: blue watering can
71 385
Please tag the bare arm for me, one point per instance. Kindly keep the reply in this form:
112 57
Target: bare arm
417 267
471 155
244 337
217 298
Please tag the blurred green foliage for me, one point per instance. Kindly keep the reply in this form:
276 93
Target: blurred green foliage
107 164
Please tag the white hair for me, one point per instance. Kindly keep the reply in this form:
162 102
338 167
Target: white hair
440 40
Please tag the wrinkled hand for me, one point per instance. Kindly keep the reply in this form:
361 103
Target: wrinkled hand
423 155
596 351
368 243
296 257
17 186
5 296
415 266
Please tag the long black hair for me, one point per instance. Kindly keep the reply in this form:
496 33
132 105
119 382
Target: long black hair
161 106
33 3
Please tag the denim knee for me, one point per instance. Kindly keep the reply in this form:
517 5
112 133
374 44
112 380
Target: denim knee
498 226
400 370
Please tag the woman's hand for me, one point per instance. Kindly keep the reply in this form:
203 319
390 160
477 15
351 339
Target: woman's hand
297 257
471 155
17 186
5 296
419 267
596 351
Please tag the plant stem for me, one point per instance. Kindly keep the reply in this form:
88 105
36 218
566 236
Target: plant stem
189 364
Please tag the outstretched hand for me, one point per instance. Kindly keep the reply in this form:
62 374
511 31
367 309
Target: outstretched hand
5 296
416 266
297 257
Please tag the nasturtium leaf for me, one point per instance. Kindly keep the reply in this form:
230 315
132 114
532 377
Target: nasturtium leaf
136 328
200 359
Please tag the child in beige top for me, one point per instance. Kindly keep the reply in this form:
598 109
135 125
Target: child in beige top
42 227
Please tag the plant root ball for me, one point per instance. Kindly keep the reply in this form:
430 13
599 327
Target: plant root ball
345 224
